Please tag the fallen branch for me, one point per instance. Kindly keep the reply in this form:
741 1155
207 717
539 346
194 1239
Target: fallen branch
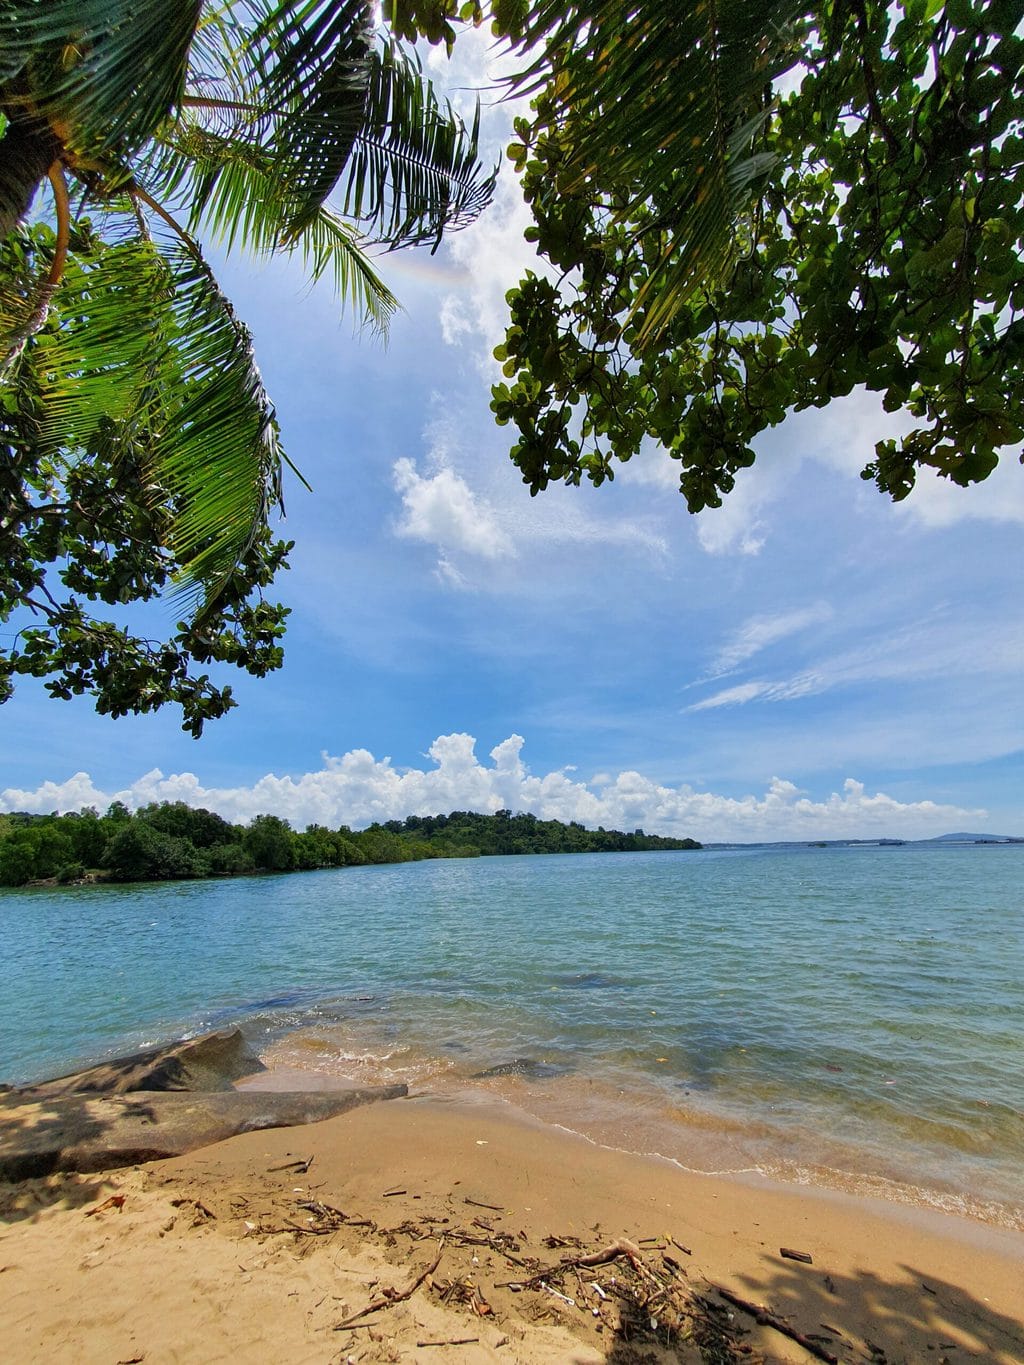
621 1247
393 1296
768 1319
450 1341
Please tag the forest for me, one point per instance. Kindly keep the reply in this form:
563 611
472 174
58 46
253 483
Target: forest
169 840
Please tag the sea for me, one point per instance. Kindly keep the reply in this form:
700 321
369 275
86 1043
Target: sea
849 1017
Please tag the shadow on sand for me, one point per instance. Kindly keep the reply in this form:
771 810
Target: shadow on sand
858 1317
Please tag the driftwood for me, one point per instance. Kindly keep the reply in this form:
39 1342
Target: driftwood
620 1247
766 1318
642 1301
392 1296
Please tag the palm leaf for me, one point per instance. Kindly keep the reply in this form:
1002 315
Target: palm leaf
312 62
144 353
103 74
219 456
414 170
235 191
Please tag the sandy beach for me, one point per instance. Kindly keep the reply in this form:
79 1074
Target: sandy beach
459 1230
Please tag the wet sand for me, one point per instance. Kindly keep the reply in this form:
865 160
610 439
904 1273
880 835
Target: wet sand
241 1252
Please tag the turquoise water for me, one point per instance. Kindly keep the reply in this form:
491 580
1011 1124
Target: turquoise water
846 1016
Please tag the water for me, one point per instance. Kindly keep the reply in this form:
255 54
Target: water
844 1016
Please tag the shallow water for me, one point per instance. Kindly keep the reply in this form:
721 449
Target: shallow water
848 1016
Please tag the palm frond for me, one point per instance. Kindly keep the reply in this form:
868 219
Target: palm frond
312 61
90 362
102 74
219 457
144 354
234 190
664 105
414 171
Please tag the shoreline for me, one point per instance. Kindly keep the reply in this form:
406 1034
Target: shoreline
698 1141
212 1256
471 1102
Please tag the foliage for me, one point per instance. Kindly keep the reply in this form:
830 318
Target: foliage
139 451
505 833
168 840
728 248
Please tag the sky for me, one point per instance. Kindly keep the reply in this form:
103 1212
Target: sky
809 661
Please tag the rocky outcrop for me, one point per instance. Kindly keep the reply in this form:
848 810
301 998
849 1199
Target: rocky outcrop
158 1103
98 1132
212 1062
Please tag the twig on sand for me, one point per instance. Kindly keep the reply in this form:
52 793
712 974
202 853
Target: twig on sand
495 1208
392 1296
300 1167
766 1318
450 1341
116 1201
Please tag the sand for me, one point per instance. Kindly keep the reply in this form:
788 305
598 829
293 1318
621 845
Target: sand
232 1254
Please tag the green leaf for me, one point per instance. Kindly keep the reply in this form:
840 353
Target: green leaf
103 74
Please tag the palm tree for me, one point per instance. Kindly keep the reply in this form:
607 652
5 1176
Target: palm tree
130 130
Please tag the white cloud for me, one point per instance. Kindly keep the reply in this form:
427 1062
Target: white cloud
494 256
840 437
357 788
929 649
442 510
759 632
493 253
937 502
731 696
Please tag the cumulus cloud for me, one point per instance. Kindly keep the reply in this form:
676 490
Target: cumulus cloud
442 510
357 788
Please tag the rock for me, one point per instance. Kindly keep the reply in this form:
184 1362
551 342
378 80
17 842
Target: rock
41 1133
588 981
162 1102
520 1066
198 1064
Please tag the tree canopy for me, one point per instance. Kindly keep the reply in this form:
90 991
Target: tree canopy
167 840
752 208
139 451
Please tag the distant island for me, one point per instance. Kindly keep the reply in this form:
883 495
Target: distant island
170 840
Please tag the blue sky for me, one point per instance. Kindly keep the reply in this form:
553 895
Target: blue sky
810 660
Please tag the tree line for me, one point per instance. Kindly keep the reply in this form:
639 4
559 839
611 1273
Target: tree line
169 840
